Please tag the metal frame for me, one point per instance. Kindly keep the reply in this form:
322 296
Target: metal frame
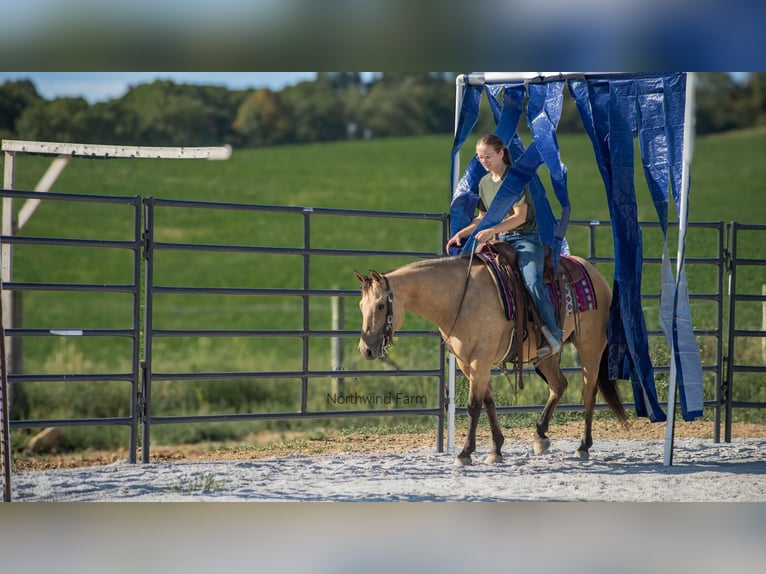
734 333
719 260
133 332
144 246
305 293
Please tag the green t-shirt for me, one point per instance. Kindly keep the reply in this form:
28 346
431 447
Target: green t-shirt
488 190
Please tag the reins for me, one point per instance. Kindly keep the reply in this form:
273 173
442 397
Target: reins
462 295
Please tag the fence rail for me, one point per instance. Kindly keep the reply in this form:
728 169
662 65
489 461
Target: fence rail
144 335
305 293
17 332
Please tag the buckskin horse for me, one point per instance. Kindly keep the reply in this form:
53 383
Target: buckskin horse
460 296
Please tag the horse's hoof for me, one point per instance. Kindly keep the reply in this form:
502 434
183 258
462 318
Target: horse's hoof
542 445
493 458
582 454
463 461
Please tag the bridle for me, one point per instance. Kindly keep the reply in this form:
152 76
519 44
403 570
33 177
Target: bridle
388 329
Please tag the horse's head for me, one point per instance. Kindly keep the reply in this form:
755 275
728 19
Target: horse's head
377 307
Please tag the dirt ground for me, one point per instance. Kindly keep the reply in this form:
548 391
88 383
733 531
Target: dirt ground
328 442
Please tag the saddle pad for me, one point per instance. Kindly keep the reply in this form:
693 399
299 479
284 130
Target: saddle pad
584 295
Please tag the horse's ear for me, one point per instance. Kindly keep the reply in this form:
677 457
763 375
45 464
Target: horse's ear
376 276
362 278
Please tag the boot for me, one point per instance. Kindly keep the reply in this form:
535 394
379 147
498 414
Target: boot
550 346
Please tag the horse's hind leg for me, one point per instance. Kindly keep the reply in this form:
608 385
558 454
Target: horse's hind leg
557 384
590 366
498 439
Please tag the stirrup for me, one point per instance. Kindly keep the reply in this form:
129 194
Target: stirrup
553 345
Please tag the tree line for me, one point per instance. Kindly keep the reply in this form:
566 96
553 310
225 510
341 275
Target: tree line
334 106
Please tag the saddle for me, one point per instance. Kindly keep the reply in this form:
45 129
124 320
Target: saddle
501 260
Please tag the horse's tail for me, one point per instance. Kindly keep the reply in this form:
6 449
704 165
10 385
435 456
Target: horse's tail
609 390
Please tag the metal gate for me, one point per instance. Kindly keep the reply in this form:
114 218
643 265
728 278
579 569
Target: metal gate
746 319
129 268
299 220
149 240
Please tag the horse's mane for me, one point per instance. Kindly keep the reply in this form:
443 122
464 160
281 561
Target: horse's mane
430 262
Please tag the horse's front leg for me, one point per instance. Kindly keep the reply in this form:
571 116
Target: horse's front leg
478 375
474 411
498 439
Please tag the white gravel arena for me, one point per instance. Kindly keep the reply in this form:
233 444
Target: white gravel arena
619 470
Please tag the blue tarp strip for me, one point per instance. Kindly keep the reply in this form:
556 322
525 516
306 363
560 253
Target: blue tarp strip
613 112
661 103
544 113
465 195
608 113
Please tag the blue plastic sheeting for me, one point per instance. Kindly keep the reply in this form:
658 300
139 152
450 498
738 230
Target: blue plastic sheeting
661 137
613 110
466 194
507 105
544 113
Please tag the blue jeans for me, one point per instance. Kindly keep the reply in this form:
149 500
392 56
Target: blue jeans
530 253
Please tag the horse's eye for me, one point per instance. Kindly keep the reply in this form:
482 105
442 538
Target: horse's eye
381 306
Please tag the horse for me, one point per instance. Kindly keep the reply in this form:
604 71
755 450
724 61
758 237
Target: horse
458 295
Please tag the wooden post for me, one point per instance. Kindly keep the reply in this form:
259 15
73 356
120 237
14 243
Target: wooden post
336 344
5 430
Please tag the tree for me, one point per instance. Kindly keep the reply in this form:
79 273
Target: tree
63 119
718 101
179 114
402 104
15 97
262 119
317 110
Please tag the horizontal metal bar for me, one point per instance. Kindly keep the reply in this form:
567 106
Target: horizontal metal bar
39 378
293 416
14 286
748 368
748 333
47 423
160 289
274 333
750 262
748 297
156 202
159 246
56 196
748 405
67 242
292 374
70 332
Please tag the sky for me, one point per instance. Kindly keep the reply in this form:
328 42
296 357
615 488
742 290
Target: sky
102 86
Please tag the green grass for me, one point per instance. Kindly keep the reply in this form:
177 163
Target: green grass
409 175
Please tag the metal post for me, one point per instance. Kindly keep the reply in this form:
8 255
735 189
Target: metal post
144 400
732 325
451 405
136 342
720 373
306 307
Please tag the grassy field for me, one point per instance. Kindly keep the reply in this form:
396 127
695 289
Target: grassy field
410 175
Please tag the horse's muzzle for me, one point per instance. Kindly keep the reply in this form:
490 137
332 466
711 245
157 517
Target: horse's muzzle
370 352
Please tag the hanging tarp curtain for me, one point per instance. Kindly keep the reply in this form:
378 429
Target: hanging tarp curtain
614 110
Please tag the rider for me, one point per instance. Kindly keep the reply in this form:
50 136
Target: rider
519 228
